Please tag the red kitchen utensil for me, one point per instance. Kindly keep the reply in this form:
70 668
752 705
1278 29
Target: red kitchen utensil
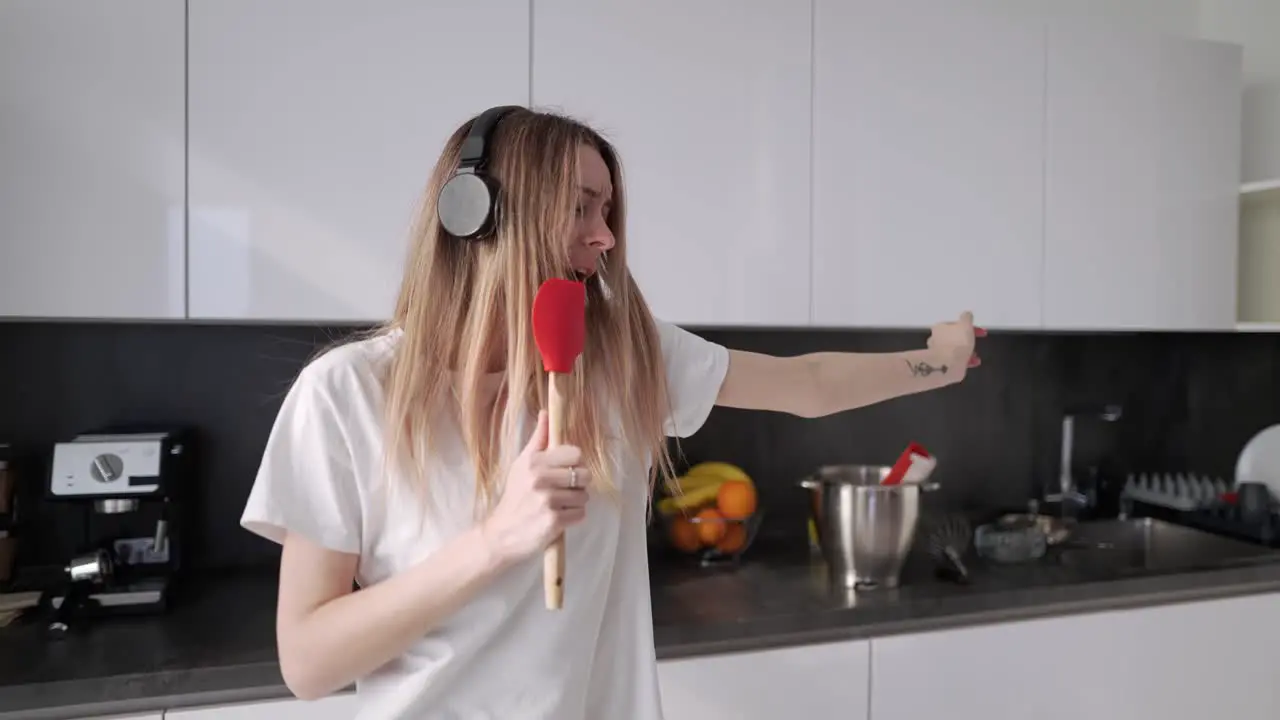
559 329
913 455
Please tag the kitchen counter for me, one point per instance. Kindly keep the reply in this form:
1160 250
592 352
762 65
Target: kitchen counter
219 645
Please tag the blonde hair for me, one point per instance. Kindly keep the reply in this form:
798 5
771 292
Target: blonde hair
461 302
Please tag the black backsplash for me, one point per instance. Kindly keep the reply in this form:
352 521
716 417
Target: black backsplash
1191 401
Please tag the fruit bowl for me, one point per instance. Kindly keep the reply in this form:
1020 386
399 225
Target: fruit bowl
710 514
709 537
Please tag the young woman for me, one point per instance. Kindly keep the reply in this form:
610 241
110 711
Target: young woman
413 461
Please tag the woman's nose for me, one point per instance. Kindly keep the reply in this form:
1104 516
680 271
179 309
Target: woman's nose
600 236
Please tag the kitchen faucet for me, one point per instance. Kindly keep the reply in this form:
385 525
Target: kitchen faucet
1067 493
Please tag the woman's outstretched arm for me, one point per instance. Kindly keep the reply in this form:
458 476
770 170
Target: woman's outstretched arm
824 383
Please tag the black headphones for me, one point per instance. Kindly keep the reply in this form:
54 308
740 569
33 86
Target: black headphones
468 203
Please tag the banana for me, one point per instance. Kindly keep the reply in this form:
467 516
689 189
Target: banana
722 470
693 482
700 485
688 499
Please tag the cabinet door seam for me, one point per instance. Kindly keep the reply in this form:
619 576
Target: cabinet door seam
186 159
813 108
870 671
1044 171
530 63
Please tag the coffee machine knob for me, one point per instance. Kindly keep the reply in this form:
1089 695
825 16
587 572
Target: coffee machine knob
106 468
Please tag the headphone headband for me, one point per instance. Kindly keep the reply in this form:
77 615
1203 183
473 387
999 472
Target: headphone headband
475 147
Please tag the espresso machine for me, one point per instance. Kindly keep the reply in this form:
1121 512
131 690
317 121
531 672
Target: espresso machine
130 488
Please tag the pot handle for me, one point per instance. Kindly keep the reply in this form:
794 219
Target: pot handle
808 482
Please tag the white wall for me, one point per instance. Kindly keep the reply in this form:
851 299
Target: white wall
1259 260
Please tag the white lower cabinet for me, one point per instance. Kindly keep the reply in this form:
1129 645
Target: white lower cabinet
1170 662
812 682
1184 661
1174 662
334 707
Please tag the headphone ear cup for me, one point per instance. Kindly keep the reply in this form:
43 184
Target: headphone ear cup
468 206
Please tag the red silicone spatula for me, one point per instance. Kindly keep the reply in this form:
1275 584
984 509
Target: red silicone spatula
913 456
559 329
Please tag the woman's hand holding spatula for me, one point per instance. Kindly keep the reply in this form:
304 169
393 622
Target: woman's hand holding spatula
538 502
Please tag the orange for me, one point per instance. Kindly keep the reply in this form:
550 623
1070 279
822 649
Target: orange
710 526
684 534
736 499
735 537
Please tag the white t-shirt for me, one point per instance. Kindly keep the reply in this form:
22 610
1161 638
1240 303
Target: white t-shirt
503 655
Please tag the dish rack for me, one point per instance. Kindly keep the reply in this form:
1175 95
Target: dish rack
1176 491
1197 501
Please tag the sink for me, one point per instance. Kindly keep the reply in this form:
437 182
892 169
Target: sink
1146 544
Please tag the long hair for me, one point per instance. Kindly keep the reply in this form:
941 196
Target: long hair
461 302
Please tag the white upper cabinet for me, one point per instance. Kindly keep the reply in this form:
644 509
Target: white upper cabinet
91 159
314 126
928 163
844 163
708 104
1142 182
1167 17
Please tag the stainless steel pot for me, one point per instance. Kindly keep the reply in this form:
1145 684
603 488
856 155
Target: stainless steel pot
865 529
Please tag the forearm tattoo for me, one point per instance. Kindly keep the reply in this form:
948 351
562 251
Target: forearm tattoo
924 369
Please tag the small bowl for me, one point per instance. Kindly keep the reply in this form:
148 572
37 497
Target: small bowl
710 540
1010 543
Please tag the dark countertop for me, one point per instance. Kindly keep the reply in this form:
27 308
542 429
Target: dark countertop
219 645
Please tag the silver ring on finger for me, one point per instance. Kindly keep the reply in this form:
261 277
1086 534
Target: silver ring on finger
573 477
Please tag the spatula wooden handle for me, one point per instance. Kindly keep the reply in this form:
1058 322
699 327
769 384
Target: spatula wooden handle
553 556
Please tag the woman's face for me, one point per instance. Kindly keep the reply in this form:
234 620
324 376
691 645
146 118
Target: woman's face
592 237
